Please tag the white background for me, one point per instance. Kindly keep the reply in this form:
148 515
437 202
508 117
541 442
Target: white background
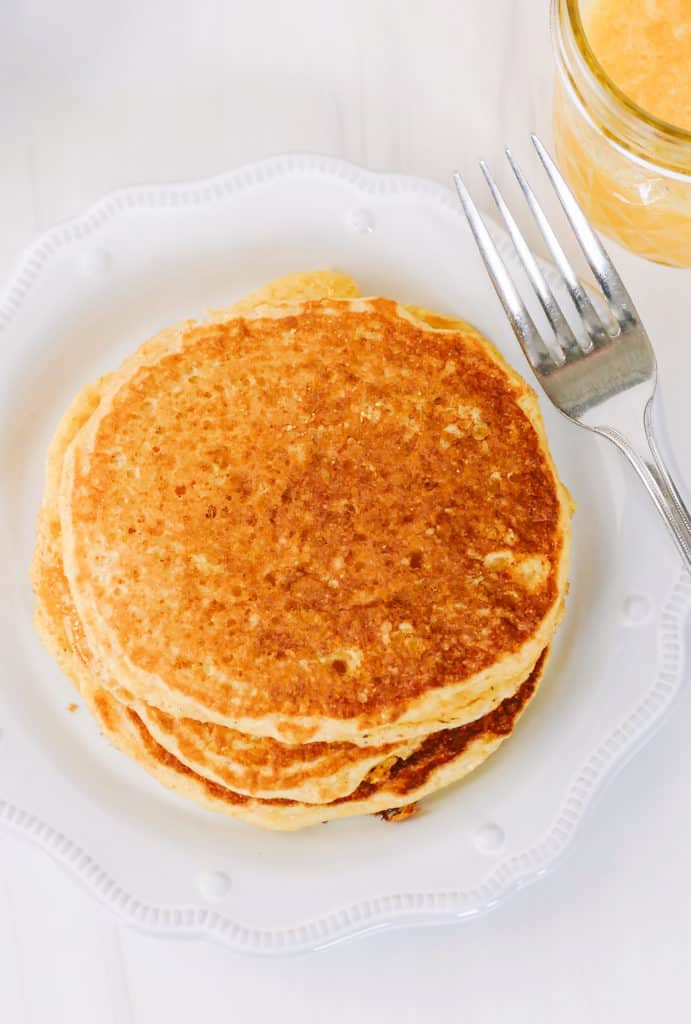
95 95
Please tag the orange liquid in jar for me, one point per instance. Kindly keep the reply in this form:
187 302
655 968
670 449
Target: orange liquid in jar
644 46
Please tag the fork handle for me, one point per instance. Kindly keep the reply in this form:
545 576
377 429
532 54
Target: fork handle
647 460
663 469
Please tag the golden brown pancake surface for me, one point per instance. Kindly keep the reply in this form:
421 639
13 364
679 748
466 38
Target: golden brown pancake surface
314 522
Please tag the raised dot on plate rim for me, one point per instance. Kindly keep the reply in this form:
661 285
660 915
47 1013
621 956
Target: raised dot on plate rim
489 838
213 885
95 262
637 609
362 221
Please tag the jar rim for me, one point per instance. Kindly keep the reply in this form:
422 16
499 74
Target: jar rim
665 130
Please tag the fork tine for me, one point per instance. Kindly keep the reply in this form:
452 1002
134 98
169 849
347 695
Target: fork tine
566 343
596 330
520 319
602 267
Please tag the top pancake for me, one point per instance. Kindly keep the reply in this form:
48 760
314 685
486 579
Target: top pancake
329 520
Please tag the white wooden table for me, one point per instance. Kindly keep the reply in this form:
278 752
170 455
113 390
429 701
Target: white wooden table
97 95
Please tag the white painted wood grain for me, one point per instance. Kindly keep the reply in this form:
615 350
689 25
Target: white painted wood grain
65 960
11 960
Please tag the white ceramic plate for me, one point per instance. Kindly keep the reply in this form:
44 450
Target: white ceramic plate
85 295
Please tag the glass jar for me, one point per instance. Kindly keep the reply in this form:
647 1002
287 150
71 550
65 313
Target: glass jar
630 170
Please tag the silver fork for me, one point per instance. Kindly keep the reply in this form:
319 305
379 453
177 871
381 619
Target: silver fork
602 377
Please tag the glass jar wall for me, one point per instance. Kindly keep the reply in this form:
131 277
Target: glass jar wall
630 169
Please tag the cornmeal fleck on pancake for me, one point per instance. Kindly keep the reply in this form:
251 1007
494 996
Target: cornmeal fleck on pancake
334 524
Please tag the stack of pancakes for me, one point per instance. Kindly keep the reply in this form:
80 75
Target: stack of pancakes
304 559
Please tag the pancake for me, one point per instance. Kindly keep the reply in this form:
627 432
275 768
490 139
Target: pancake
349 530
262 767
443 758
284 754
